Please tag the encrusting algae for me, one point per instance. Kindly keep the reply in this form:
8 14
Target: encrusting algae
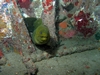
63 24
3 29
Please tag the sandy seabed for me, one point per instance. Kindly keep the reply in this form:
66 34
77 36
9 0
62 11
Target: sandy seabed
84 62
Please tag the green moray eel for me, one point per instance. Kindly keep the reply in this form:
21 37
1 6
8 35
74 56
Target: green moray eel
39 32
41 35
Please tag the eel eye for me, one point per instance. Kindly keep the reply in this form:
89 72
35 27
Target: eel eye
40 32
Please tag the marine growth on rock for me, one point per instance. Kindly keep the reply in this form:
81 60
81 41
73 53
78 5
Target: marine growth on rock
85 24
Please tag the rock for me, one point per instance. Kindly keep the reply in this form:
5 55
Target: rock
3 61
31 67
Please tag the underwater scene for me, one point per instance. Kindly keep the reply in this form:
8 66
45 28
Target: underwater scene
49 37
